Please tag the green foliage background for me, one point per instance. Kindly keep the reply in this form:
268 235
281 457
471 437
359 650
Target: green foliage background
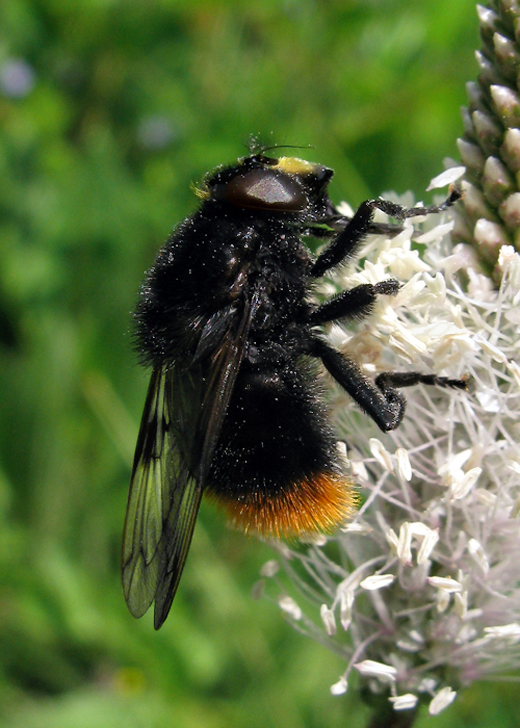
132 102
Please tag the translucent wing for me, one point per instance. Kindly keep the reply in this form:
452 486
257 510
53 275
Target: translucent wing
181 423
160 483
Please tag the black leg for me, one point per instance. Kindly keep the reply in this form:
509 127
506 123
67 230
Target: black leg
386 409
379 399
389 380
353 304
403 213
346 244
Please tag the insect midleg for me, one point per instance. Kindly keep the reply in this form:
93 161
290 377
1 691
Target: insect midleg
353 304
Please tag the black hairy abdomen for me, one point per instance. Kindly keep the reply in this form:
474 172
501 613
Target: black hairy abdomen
275 434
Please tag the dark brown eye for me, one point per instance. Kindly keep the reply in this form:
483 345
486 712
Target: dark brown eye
266 189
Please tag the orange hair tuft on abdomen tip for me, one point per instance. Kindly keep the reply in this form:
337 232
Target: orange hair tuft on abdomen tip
315 504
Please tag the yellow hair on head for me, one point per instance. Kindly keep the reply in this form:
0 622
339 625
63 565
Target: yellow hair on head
294 165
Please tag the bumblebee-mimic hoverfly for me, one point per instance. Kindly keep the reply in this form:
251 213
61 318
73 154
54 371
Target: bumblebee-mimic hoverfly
235 408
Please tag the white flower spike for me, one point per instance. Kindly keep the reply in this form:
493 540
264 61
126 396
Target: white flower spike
429 565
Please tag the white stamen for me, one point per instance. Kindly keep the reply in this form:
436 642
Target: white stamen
444 697
435 234
346 604
445 583
404 467
339 688
511 632
404 545
461 486
378 581
448 177
359 527
443 600
408 701
478 554
328 619
460 604
428 544
289 606
381 454
372 668
270 569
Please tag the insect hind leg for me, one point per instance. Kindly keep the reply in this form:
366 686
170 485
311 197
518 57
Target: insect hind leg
380 399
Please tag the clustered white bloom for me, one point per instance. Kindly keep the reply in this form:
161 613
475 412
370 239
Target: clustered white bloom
420 592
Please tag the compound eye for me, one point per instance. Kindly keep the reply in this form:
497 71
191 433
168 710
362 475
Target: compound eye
266 189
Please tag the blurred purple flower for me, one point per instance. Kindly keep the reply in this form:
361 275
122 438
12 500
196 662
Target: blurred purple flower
17 78
155 132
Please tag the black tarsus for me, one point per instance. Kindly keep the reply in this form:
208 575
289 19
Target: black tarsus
388 380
